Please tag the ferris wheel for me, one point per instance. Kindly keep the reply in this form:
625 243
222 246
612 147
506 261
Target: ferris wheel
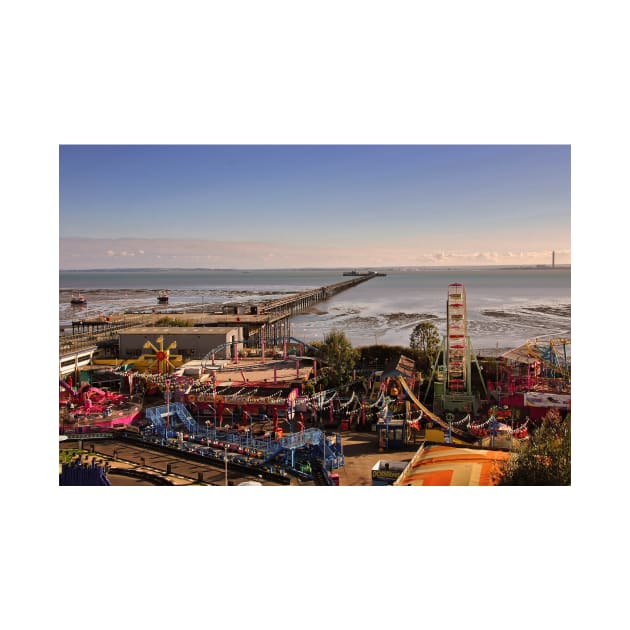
457 356
456 360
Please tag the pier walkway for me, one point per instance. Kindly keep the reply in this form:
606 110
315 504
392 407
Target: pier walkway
305 299
269 319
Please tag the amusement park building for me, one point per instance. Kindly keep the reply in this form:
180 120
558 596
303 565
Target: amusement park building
190 342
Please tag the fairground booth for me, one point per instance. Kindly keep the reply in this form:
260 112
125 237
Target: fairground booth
395 427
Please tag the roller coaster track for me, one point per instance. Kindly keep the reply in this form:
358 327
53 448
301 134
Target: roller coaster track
254 341
462 435
536 353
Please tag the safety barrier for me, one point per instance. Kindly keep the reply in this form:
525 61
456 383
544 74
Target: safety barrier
104 435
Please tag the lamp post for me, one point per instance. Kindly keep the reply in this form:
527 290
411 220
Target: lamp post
168 405
225 461
262 343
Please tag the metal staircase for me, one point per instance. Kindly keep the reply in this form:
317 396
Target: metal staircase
165 417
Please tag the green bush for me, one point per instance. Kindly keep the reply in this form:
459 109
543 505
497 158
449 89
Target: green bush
173 321
544 459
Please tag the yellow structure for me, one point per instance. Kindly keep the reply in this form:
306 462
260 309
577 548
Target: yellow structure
437 435
160 362
148 363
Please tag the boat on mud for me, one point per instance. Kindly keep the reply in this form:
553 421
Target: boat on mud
78 299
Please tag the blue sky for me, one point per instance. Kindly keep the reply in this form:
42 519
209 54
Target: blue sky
276 206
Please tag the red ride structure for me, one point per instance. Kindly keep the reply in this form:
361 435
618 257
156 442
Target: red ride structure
457 357
90 407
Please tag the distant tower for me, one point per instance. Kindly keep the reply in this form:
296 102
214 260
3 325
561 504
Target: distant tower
553 259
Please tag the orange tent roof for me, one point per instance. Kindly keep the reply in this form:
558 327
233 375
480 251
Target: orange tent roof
437 465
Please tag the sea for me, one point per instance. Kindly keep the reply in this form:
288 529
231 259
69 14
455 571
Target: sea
506 306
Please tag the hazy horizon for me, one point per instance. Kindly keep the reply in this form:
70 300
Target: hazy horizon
392 267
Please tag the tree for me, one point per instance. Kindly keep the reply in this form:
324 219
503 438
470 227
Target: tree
425 341
425 338
338 356
544 459
376 355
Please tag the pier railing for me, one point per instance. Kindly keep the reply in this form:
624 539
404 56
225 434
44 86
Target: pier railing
71 343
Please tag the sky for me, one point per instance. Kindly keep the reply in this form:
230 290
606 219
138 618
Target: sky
291 206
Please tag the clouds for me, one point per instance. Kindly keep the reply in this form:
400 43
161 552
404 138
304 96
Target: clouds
123 253
99 253
79 253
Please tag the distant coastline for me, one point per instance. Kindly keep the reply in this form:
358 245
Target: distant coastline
401 268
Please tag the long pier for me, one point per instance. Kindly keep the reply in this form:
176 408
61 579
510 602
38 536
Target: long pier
305 299
268 320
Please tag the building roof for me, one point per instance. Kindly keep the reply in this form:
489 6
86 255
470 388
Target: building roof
522 354
178 330
440 465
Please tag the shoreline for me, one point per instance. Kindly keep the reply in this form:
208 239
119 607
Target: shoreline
283 269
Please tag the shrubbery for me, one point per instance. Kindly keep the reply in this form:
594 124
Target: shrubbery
172 321
545 458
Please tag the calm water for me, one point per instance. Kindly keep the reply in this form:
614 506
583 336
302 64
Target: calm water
505 306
